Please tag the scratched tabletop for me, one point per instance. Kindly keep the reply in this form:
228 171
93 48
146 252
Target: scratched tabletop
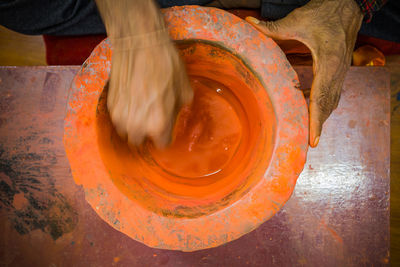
338 214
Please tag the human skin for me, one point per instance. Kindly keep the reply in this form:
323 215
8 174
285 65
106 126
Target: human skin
329 28
148 82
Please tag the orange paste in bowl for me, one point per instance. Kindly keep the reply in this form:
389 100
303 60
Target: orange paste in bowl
207 133
219 141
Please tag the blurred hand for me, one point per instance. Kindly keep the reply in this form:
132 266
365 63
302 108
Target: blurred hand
148 85
329 28
148 81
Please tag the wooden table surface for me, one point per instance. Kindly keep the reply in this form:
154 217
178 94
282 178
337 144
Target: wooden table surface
337 216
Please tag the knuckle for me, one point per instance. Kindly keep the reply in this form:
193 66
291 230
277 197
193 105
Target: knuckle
156 125
326 101
272 26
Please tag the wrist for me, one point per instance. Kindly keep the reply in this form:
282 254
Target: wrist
356 8
124 18
352 12
140 41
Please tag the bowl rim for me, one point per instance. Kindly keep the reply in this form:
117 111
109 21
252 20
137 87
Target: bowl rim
269 63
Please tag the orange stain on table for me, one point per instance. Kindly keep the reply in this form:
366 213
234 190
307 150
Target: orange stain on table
20 201
335 235
332 232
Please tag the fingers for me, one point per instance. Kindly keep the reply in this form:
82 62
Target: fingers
186 95
184 89
151 119
161 122
158 123
146 91
282 29
325 95
153 125
331 37
319 112
162 136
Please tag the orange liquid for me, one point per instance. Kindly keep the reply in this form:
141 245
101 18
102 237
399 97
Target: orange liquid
220 141
207 133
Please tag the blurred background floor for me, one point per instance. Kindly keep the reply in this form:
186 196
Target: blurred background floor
22 50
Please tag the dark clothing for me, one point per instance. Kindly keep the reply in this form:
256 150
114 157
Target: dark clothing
62 17
81 17
275 9
385 23
368 7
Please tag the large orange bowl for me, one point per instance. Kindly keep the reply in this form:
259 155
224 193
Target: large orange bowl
237 150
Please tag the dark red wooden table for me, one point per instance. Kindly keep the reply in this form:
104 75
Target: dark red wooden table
337 216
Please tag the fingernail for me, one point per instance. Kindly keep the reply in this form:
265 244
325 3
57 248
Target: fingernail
253 20
316 141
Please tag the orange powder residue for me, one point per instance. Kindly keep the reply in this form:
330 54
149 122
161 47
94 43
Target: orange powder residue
200 200
220 141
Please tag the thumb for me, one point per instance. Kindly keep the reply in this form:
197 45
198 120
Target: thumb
281 29
324 97
315 124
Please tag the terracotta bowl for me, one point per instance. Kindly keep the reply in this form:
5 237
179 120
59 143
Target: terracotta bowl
237 149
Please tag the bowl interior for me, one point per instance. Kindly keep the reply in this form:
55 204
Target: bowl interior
222 142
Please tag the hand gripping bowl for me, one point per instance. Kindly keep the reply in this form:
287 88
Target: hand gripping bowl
237 150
